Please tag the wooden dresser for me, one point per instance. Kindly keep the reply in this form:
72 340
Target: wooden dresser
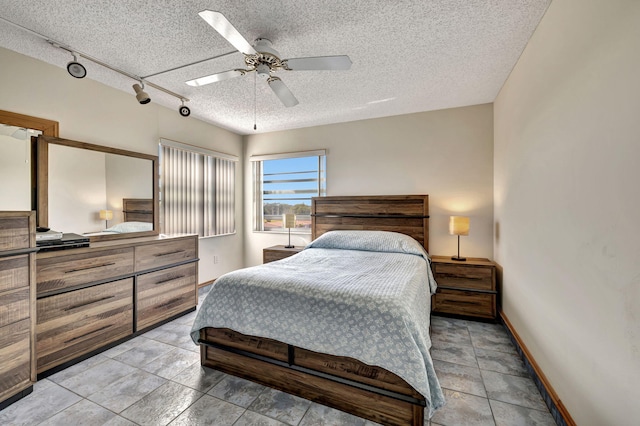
271 254
465 288
17 305
90 298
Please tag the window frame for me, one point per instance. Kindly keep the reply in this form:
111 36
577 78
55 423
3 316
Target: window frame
258 186
207 182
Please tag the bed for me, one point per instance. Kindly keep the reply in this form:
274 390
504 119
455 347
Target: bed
353 337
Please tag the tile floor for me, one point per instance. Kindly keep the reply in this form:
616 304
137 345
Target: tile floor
156 379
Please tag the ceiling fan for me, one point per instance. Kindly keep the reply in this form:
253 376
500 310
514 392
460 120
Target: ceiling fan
264 60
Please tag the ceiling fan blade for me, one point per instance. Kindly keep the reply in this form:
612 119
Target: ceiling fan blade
282 92
208 79
341 62
228 31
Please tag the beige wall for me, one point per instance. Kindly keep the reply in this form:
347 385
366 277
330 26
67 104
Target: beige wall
567 146
447 154
91 112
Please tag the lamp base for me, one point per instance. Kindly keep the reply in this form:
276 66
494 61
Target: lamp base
289 246
459 259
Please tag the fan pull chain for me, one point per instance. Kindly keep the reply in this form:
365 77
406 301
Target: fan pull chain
255 100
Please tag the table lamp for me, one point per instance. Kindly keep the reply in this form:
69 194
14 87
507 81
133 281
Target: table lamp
458 225
289 221
106 215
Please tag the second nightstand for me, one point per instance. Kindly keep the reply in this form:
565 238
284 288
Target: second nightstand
270 254
465 288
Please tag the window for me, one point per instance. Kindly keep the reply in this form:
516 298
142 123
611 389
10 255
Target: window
197 190
285 183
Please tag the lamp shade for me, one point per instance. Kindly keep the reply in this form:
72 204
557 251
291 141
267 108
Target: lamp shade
106 214
458 225
289 220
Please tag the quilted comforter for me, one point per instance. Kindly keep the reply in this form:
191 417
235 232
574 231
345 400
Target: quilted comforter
361 294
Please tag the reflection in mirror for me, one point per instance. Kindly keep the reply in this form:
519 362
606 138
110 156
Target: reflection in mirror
15 167
102 192
83 182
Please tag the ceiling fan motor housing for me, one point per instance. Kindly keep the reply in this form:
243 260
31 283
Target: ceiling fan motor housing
266 60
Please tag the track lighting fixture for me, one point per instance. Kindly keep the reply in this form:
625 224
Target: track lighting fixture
75 68
184 110
141 95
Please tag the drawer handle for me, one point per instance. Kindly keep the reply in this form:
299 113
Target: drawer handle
79 305
458 276
169 279
91 332
467 302
89 267
168 253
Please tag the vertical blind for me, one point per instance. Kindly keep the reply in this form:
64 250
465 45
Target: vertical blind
197 191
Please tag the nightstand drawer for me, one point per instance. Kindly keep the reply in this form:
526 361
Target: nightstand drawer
465 303
464 276
271 254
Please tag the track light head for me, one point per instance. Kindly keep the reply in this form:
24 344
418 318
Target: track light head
141 95
76 69
184 110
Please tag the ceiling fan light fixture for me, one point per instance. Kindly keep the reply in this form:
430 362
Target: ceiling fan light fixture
76 69
263 71
141 95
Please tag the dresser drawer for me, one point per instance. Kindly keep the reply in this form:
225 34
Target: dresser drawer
162 253
163 294
14 306
464 303
14 233
464 276
57 272
15 357
14 272
77 322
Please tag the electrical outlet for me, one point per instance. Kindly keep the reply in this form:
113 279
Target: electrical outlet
215 259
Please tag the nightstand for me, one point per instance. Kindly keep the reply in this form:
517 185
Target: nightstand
271 254
465 288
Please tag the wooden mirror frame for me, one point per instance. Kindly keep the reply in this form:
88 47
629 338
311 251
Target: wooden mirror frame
42 152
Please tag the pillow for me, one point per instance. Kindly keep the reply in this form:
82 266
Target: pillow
384 241
125 227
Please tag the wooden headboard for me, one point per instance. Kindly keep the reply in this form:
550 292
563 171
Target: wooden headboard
406 214
137 209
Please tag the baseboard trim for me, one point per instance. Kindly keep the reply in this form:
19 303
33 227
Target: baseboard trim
550 397
206 283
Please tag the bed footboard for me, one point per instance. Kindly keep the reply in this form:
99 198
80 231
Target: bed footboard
339 382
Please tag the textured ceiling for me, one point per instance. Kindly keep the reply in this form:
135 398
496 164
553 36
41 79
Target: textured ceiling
408 55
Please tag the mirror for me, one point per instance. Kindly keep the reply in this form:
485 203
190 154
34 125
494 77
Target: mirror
15 167
104 193
17 163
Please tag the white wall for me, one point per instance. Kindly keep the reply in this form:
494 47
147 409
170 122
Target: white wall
77 189
567 146
91 112
447 154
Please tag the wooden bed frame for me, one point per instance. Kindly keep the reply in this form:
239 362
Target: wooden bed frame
343 383
137 209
